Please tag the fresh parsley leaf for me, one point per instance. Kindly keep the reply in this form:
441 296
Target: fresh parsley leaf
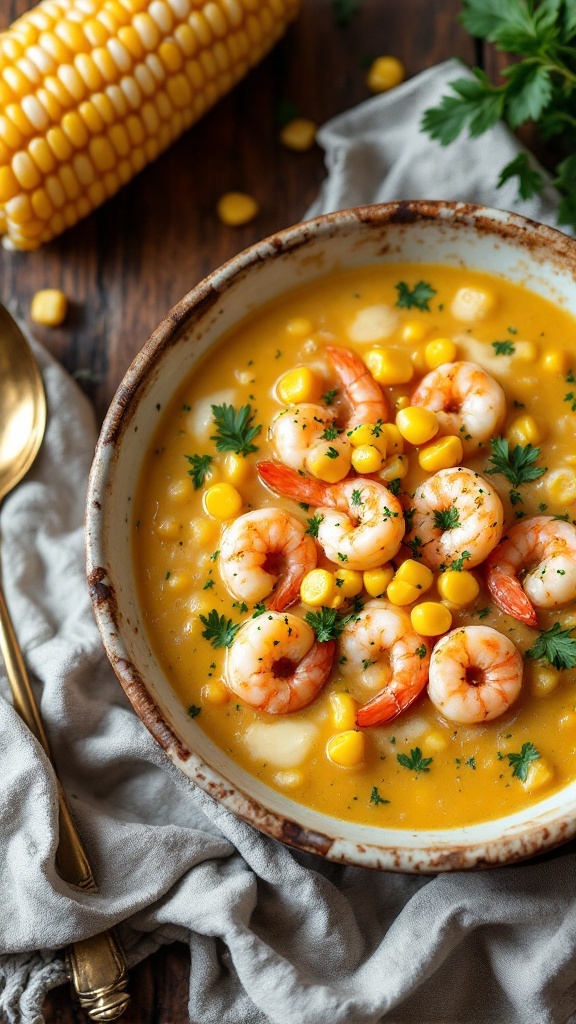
330 434
504 348
193 711
555 645
477 104
416 763
332 453
366 663
200 466
326 623
422 651
458 564
329 397
521 762
418 297
375 797
483 613
415 544
530 182
357 497
235 429
259 609
516 464
219 630
314 525
446 519
471 763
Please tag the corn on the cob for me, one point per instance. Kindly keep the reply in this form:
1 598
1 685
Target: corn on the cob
92 90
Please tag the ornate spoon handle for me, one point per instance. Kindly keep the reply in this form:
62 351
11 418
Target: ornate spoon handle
96 966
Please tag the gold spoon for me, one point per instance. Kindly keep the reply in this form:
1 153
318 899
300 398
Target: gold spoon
96 966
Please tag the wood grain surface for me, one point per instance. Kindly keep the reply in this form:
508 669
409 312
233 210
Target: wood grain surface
128 263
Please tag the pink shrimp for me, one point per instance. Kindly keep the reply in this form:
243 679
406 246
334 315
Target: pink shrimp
365 397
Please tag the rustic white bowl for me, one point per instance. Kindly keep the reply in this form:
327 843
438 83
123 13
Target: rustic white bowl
451 233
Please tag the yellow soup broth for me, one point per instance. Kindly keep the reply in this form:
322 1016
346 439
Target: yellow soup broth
419 770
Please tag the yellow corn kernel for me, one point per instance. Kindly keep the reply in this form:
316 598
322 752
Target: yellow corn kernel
543 680
204 532
525 352
459 588
414 331
348 582
443 454
343 711
554 361
237 469
402 402
439 351
179 491
290 778
395 468
431 618
434 741
385 73
366 459
236 208
417 425
369 434
330 461
178 582
472 304
524 430
167 528
215 692
299 134
346 749
317 588
401 593
337 601
540 774
49 307
299 385
376 581
222 501
389 365
561 486
9 186
299 326
394 439
416 573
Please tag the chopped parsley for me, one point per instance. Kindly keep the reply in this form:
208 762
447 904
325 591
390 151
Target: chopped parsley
193 711
483 613
330 434
332 453
329 397
504 348
314 525
555 645
415 544
416 763
458 564
516 464
521 762
447 518
471 763
235 429
418 297
259 609
219 630
200 466
326 624
356 497
366 663
394 486
422 651
375 797
208 584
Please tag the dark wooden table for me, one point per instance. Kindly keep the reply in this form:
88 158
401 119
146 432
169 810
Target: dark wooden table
130 261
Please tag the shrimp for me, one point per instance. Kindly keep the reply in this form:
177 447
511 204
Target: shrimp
381 645
543 548
467 401
361 524
276 664
296 431
265 549
475 674
365 397
457 516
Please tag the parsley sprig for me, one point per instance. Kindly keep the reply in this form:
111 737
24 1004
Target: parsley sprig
555 645
516 464
417 297
219 630
541 88
200 466
521 762
416 763
328 624
235 429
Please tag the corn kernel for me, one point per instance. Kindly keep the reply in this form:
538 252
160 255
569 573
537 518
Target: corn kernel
402 402
524 430
394 439
431 618
389 366
299 134
555 361
178 582
385 73
395 468
348 582
525 351
215 692
299 385
472 304
434 741
366 459
401 593
179 491
337 601
237 469
540 774
236 208
459 588
343 711
561 486
346 749
417 425
369 434
222 501
414 331
443 454
416 573
299 326
291 778
49 307
204 532
376 581
317 588
439 351
543 680
168 528
329 461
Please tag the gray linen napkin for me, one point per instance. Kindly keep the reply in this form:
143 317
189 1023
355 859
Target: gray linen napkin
275 937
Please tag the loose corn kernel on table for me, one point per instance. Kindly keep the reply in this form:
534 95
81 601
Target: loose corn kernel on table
126 264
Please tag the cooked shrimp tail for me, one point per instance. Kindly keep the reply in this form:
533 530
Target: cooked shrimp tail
365 396
292 484
390 702
506 591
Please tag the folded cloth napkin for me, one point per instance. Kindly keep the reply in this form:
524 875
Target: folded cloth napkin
275 937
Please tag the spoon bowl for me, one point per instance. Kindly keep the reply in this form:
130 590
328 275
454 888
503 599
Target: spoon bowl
23 405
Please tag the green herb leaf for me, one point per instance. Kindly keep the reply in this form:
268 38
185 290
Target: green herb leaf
530 182
234 429
219 630
446 519
504 348
200 466
416 763
314 525
422 651
476 104
326 623
375 797
329 397
458 564
521 762
516 464
193 711
555 645
418 297
330 434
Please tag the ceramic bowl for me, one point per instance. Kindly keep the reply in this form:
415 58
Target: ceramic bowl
457 234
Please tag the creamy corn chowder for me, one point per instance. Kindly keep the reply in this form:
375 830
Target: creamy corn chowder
355 551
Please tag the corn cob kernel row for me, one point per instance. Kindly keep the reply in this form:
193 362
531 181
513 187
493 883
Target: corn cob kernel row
90 92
